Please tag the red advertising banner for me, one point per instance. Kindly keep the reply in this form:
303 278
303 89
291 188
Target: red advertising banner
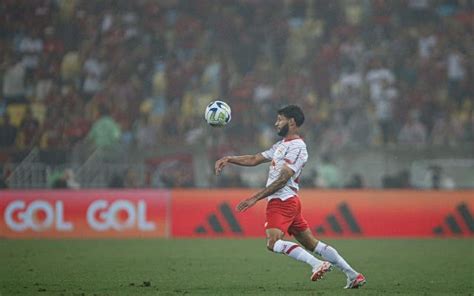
211 213
84 213
397 213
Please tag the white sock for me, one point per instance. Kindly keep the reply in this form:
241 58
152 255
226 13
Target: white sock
330 254
296 252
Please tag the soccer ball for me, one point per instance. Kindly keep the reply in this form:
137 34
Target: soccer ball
217 114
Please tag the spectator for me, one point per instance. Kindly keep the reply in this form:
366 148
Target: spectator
384 102
426 43
70 67
413 132
70 178
469 130
29 131
442 132
105 132
94 70
116 181
404 179
456 73
60 183
309 179
146 133
30 47
132 179
437 179
4 173
13 88
336 136
356 182
389 181
8 132
378 77
328 174
230 179
361 128
3 184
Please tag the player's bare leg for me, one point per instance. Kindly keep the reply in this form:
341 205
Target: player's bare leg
275 243
306 238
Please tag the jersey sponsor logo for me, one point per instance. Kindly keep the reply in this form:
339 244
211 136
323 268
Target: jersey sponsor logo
279 153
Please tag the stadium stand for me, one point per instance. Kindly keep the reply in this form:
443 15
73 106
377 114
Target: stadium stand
383 75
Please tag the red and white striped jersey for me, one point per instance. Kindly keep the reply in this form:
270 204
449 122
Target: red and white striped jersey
293 153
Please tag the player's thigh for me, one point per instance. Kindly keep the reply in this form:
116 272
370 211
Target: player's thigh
299 223
276 223
278 216
306 239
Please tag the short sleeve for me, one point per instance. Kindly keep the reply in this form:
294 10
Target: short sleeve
296 157
268 154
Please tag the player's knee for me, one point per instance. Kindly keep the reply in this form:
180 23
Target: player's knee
271 243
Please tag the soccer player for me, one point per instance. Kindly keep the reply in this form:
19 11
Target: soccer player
283 212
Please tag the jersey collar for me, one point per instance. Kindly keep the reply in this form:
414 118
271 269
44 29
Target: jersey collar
291 138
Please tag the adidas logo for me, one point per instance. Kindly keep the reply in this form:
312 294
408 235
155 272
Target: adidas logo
215 224
350 224
453 225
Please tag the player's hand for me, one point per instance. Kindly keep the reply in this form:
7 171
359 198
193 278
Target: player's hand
246 204
220 164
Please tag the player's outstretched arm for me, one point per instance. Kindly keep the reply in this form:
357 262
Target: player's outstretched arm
243 160
279 183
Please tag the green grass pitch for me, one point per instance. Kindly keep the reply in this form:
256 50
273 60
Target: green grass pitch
229 267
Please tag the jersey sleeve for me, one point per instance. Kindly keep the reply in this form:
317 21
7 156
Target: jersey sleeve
296 157
268 154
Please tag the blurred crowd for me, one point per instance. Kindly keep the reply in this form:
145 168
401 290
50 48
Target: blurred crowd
366 72
141 72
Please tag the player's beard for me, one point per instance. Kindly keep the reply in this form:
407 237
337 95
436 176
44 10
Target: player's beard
284 130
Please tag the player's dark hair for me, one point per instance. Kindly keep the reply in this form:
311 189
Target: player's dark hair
292 111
